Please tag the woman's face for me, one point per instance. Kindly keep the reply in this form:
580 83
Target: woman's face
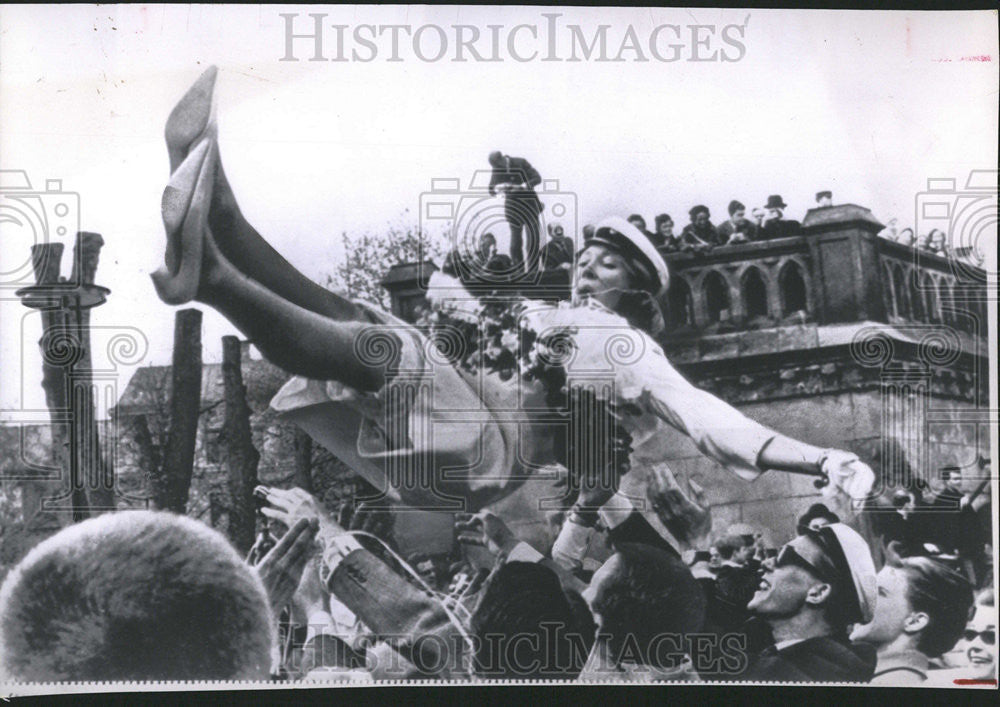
601 273
980 654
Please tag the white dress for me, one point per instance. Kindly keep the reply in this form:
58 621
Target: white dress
468 440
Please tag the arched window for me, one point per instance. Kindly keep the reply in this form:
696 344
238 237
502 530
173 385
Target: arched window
902 295
916 296
716 297
679 301
793 289
754 294
931 293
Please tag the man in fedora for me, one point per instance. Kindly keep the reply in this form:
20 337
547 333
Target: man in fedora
775 225
819 585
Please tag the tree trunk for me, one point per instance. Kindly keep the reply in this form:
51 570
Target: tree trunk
239 455
173 482
303 461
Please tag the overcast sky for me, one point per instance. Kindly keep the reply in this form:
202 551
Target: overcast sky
869 105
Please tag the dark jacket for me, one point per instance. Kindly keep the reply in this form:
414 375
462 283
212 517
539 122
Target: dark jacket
734 588
822 659
556 252
726 229
518 171
779 228
707 233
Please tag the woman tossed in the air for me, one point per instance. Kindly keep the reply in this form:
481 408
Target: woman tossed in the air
387 402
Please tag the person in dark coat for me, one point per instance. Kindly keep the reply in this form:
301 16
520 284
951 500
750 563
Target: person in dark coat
738 229
736 582
819 584
700 232
558 253
663 237
953 525
775 225
517 178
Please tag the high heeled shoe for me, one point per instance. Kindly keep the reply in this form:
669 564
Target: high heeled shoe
192 118
185 204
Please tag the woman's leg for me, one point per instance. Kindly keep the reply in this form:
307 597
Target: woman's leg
296 339
191 121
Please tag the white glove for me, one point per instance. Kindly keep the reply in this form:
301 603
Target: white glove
847 474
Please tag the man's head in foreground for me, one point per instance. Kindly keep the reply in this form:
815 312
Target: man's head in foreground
645 603
134 595
922 605
818 584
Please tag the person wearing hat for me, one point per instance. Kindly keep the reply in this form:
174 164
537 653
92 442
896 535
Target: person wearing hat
775 225
815 518
738 228
818 585
921 613
517 179
824 199
700 233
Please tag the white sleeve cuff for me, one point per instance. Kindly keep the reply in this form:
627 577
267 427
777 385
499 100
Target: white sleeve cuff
616 510
523 552
571 545
336 549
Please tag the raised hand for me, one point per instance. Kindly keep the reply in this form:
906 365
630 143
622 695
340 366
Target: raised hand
847 473
485 529
281 569
288 506
687 515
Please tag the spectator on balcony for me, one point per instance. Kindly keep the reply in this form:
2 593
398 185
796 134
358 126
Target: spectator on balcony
923 241
775 224
588 232
890 232
907 237
640 223
664 237
738 229
937 242
557 254
700 234
824 199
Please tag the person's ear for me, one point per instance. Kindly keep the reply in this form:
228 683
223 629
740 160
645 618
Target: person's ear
916 621
818 593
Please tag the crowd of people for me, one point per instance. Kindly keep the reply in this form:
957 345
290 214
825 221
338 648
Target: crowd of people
143 595
934 241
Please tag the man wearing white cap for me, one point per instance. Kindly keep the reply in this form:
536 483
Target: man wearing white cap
810 594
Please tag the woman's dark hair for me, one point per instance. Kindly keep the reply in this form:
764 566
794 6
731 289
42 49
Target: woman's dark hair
523 626
652 595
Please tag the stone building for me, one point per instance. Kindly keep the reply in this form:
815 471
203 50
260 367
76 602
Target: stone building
833 336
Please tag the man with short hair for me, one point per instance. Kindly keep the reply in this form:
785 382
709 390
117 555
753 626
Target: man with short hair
557 254
735 583
135 595
920 614
515 177
646 605
738 229
819 584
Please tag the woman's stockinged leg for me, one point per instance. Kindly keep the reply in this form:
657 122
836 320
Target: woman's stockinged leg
191 123
296 339
247 250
